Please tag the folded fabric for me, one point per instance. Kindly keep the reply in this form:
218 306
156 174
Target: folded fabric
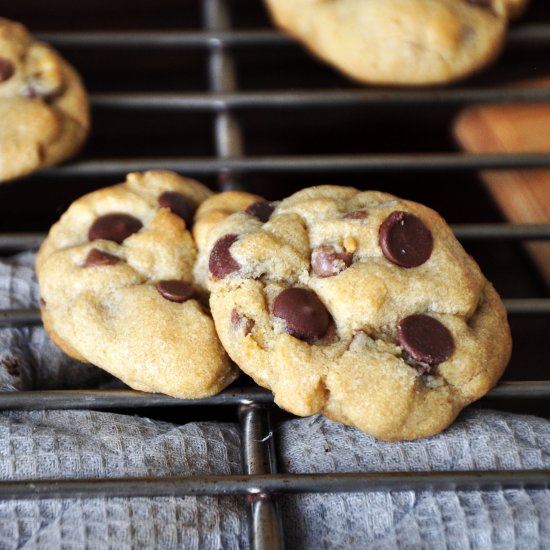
479 440
82 444
87 444
28 358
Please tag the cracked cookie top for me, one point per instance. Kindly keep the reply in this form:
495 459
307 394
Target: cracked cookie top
211 212
43 106
358 305
116 279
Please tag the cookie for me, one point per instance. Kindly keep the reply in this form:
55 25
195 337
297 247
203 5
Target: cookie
215 209
516 8
406 42
116 279
360 306
44 115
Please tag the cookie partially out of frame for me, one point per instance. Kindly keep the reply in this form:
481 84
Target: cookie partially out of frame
116 279
408 42
357 305
43 105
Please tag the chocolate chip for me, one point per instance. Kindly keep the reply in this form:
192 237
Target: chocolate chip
175 291
114 227
327 261
241 322
97 257
261 210
221 262
357 215
7 70
179 204
405 240
235 318
304 314
425 339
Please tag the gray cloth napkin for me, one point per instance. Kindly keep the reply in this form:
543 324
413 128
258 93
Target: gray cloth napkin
77 444
479 440
87 444
28 358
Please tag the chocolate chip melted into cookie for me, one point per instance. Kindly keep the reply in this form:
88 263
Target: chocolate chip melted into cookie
405 240
7 70
304 314
114 227
425 340
357 215
97 257
221 262
327 260
175 291
261 210
34 89
241 322
178 204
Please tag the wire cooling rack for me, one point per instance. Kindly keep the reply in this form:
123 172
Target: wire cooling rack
228 104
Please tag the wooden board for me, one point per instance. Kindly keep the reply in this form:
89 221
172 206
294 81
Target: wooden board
522 195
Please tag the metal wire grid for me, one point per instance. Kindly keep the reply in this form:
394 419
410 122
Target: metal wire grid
261 482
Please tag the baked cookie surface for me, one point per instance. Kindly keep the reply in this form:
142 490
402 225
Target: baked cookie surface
116 277
358 305
210 213
410 42
43 105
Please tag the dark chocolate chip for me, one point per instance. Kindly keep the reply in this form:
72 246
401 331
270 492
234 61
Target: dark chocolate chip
97 257
7 70
304 314
241 322
235 318
179 204
357 215
425 339
405 240
221 262
114 227
175 291
327 261
261 210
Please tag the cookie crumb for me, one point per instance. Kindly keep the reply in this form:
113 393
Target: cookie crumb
350 245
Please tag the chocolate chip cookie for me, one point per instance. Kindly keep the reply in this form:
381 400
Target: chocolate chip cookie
43 106
116 279
212 211
407 42
358 305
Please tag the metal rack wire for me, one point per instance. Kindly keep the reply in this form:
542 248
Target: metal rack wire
226 101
